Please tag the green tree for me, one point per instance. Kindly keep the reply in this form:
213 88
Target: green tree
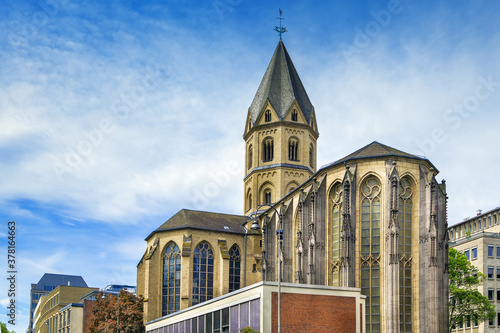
466 302
4 328
126 307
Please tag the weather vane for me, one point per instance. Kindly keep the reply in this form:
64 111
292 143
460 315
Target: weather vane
280 29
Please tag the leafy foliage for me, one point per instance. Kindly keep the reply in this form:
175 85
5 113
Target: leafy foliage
466 302
4 328
249 330
127 307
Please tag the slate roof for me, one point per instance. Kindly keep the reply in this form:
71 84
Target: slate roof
194 219
281 85
60 280
376 149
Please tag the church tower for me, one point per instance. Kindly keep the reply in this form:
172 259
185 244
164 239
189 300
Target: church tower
280 135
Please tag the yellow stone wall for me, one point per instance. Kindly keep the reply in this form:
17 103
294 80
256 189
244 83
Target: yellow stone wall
280 179
150 271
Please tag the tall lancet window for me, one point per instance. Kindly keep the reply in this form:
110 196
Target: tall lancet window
405 219
250 156
336 200
267 150
203 273
234 268
171 296
293 149
267 116
370 251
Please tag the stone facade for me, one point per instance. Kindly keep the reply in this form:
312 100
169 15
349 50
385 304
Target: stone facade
375 220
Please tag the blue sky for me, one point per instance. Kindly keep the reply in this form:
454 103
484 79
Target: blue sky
115 115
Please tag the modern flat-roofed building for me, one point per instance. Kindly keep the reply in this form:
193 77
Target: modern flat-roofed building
304 308
46 284
479 239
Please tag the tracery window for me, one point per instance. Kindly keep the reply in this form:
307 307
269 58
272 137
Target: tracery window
171 279
267 116
370 251
267 150
293 148
234 268
405 215
294 115
203 273
336 198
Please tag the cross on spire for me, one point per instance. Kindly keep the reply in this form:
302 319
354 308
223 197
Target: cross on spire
280 29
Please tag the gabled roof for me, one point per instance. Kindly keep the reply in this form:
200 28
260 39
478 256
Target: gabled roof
281 85
194 219
376 149
60 280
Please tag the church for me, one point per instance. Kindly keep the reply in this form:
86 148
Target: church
374 221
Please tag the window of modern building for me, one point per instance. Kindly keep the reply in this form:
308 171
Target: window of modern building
370 251
498 251
490 250
491 322
267 150
203 273
293 149
294 115
491 294
498 318
234 268
466 252
475 226
171 279
494 219
489 221
467 322
474 253
267 116
498 294
498 273
490 272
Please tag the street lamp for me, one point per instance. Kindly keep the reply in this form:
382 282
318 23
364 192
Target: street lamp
279 235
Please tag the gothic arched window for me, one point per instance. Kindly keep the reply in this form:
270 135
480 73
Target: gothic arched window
405 219
311 156
234 268
336 197
267 150
293 149
203 273
171 279
250 156
267 196
267 116
370 251
294 115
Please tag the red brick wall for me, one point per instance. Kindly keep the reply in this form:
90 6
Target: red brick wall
314 313
88 316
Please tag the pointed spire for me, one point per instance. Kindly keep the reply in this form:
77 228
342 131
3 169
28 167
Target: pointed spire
281 85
